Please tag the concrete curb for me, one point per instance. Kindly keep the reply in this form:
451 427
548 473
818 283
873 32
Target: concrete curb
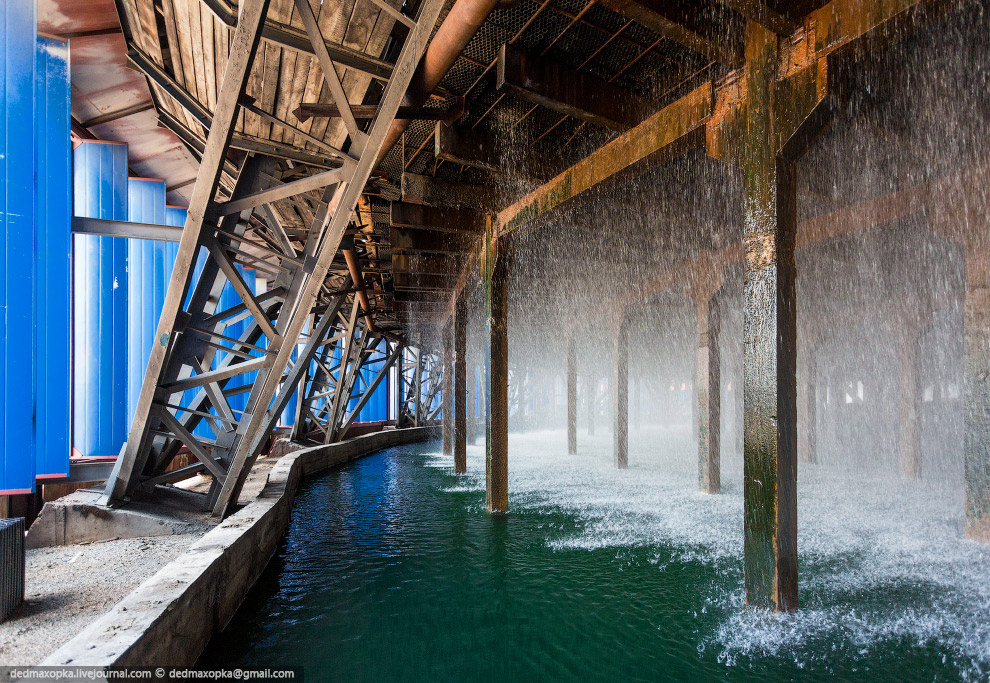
169 619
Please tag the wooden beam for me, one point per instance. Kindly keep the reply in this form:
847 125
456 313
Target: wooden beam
654 14
568 91
423 217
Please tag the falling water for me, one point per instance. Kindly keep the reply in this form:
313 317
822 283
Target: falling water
889 586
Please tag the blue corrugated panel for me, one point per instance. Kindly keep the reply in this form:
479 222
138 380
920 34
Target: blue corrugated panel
18 27
99 302
175 216
377 406
149 266
53 251
288 416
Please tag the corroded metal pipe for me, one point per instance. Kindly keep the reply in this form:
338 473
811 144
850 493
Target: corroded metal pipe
456 31
355 269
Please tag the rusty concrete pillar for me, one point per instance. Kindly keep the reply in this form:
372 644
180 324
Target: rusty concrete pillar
495 275
770 331
571 397
620 396
708 381
460 385
976 395
447 397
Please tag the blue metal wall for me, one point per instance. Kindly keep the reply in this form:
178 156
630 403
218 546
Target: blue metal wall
17 214
53 259
149 267
99 303
238 402
377 406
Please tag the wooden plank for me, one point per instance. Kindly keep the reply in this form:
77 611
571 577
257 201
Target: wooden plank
209 59
148 33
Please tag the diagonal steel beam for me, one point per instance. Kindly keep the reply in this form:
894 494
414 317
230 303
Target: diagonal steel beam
295 312
243 47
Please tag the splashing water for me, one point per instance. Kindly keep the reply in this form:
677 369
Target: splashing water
392 570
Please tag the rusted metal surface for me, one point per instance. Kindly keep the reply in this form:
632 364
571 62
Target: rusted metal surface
420 189
654 14
769 381
354 268
308 110
659 138
457 29
424 217
466 147
569 91
428 242
495 276
758 11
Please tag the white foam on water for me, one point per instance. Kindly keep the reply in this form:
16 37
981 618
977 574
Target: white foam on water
881 558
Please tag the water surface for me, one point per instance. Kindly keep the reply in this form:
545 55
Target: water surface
392 571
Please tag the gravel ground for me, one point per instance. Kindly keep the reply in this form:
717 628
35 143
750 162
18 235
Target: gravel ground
70 586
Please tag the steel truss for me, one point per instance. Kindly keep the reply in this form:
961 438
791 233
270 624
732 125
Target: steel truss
333 391
420 381
192 367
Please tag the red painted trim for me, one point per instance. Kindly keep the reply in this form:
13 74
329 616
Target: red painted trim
15 492
150 180
51 476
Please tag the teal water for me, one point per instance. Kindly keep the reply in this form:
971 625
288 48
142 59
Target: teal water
392 571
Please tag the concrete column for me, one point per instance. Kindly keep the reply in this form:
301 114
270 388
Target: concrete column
495 272
620 397
709 393
571 397
976 394
460 386
770 331
908 445
447 390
